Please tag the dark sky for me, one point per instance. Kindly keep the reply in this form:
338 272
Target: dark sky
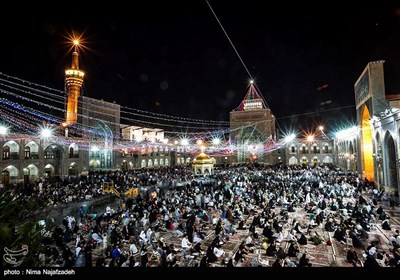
172 57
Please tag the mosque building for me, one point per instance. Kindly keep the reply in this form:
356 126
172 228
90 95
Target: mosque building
372 146
252 129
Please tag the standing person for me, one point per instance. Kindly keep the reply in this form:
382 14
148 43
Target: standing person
218 227
88 255
143 256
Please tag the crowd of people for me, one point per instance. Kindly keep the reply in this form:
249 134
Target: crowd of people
257 201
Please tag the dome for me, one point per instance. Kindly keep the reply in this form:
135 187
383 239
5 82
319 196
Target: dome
202 156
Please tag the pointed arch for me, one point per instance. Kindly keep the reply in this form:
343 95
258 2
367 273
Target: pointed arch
73 151
101 138
293 161
11 150
10 175
366 144
31 150
73 169
49 171
390 161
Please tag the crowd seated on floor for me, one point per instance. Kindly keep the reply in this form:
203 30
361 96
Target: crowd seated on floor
260 201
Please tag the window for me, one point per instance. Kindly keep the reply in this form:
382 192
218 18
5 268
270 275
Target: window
6 152
27 152
57 154
48 154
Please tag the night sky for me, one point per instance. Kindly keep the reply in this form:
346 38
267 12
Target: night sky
172 57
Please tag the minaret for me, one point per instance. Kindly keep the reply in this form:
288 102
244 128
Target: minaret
74 81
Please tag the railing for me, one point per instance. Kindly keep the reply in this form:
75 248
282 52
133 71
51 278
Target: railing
32 156
11 156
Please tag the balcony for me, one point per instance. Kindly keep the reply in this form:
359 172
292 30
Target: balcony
32 156
14 156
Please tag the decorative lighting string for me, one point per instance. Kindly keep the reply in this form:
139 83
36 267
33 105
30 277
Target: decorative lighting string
92 105
19 107
61 100
92 110
54 96
29 125
147 113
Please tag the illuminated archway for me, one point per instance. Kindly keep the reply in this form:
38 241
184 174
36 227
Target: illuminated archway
49 171
293 161
10 175
124 165
366 145
73 169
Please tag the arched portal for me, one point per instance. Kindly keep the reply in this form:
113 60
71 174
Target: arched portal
9 175
327 160
73 169
101 138
124 165
366 145
73 151
33 172
293 161
32 150
390 161
49 171
11 150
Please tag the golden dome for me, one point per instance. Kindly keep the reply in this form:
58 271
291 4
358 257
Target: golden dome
202 156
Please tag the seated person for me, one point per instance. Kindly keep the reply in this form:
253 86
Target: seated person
293 250
385 224
197 248
302 240
241 252
186 245
340 235
312 224
304 261
267 232
329 226
249 242
271 250
279 238
242 225
211 257
218 252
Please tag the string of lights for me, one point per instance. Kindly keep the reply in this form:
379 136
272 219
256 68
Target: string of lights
57 96
94 105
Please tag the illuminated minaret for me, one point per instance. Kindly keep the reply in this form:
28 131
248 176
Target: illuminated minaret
74 81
